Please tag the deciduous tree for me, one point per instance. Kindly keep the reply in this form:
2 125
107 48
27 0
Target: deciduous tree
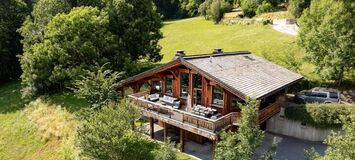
243 144
12 15
327 33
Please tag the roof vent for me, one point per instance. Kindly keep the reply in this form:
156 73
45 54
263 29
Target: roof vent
179 53
217 50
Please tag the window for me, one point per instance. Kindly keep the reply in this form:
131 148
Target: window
156 87
333 95
217 96
184 85
169 86
322 95
197 88
234 102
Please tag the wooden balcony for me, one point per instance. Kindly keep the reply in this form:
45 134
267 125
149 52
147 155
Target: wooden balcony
206 127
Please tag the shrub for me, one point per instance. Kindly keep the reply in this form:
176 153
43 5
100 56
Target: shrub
214 9
264 7
249 7
108 135
97 87
319 115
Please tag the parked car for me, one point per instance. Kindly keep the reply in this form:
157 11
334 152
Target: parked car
318 95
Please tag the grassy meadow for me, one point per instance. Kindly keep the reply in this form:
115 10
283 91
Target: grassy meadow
22 133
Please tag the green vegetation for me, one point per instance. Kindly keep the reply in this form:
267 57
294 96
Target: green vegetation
214 9
13 13
296 7
196 35
327 33
243 144
339 144
61 40
97 87
319 115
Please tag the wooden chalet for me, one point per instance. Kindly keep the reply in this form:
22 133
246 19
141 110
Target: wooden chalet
198 95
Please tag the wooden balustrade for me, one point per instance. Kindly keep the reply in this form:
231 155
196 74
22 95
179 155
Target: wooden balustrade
270 110
185 117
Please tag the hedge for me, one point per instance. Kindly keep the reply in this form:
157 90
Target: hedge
318 115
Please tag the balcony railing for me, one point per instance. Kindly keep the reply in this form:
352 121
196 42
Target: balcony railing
199 122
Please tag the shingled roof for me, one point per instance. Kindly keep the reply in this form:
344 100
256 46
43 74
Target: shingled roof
241 73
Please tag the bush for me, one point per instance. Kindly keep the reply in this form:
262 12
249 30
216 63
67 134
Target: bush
319 115
296 7
249 7
264 7
214 9
109 134
97 87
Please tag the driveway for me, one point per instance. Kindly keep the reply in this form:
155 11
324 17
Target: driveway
281 26
289 148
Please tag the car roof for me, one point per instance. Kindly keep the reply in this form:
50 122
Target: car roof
321 89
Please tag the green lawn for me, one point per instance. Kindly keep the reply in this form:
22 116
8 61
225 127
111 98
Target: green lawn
196 36
19 138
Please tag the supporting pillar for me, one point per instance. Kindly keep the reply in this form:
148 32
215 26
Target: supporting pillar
151 124
182 140
165 131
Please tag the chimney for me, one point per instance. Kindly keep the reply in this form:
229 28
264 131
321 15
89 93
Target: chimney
179 53
217 50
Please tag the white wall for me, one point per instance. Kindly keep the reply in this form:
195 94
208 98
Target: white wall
279 125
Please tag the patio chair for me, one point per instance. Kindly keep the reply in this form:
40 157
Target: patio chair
153 97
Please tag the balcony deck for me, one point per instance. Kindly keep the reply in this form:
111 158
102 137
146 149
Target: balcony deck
197 124
200 125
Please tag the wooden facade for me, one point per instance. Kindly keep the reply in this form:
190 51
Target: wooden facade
193 86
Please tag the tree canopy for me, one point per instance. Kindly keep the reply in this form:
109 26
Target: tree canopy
13 13
60 41
327 33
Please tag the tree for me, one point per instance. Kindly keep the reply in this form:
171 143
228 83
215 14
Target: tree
243 144
340 145
249 7
190 7
166 151
296 7
73 42
12 15
108 135
214 9
97 87
137 27
327 33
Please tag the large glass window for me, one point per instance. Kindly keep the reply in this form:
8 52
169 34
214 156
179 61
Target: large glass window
197 86
169 86
217 96
235 102
156 87
184 85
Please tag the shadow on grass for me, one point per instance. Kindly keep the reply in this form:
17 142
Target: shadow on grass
68 101
10 97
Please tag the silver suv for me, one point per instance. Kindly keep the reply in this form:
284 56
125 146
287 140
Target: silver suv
318 95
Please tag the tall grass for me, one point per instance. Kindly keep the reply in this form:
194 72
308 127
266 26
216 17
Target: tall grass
54 124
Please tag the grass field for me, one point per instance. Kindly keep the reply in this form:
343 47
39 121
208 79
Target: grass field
196 36
20 138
